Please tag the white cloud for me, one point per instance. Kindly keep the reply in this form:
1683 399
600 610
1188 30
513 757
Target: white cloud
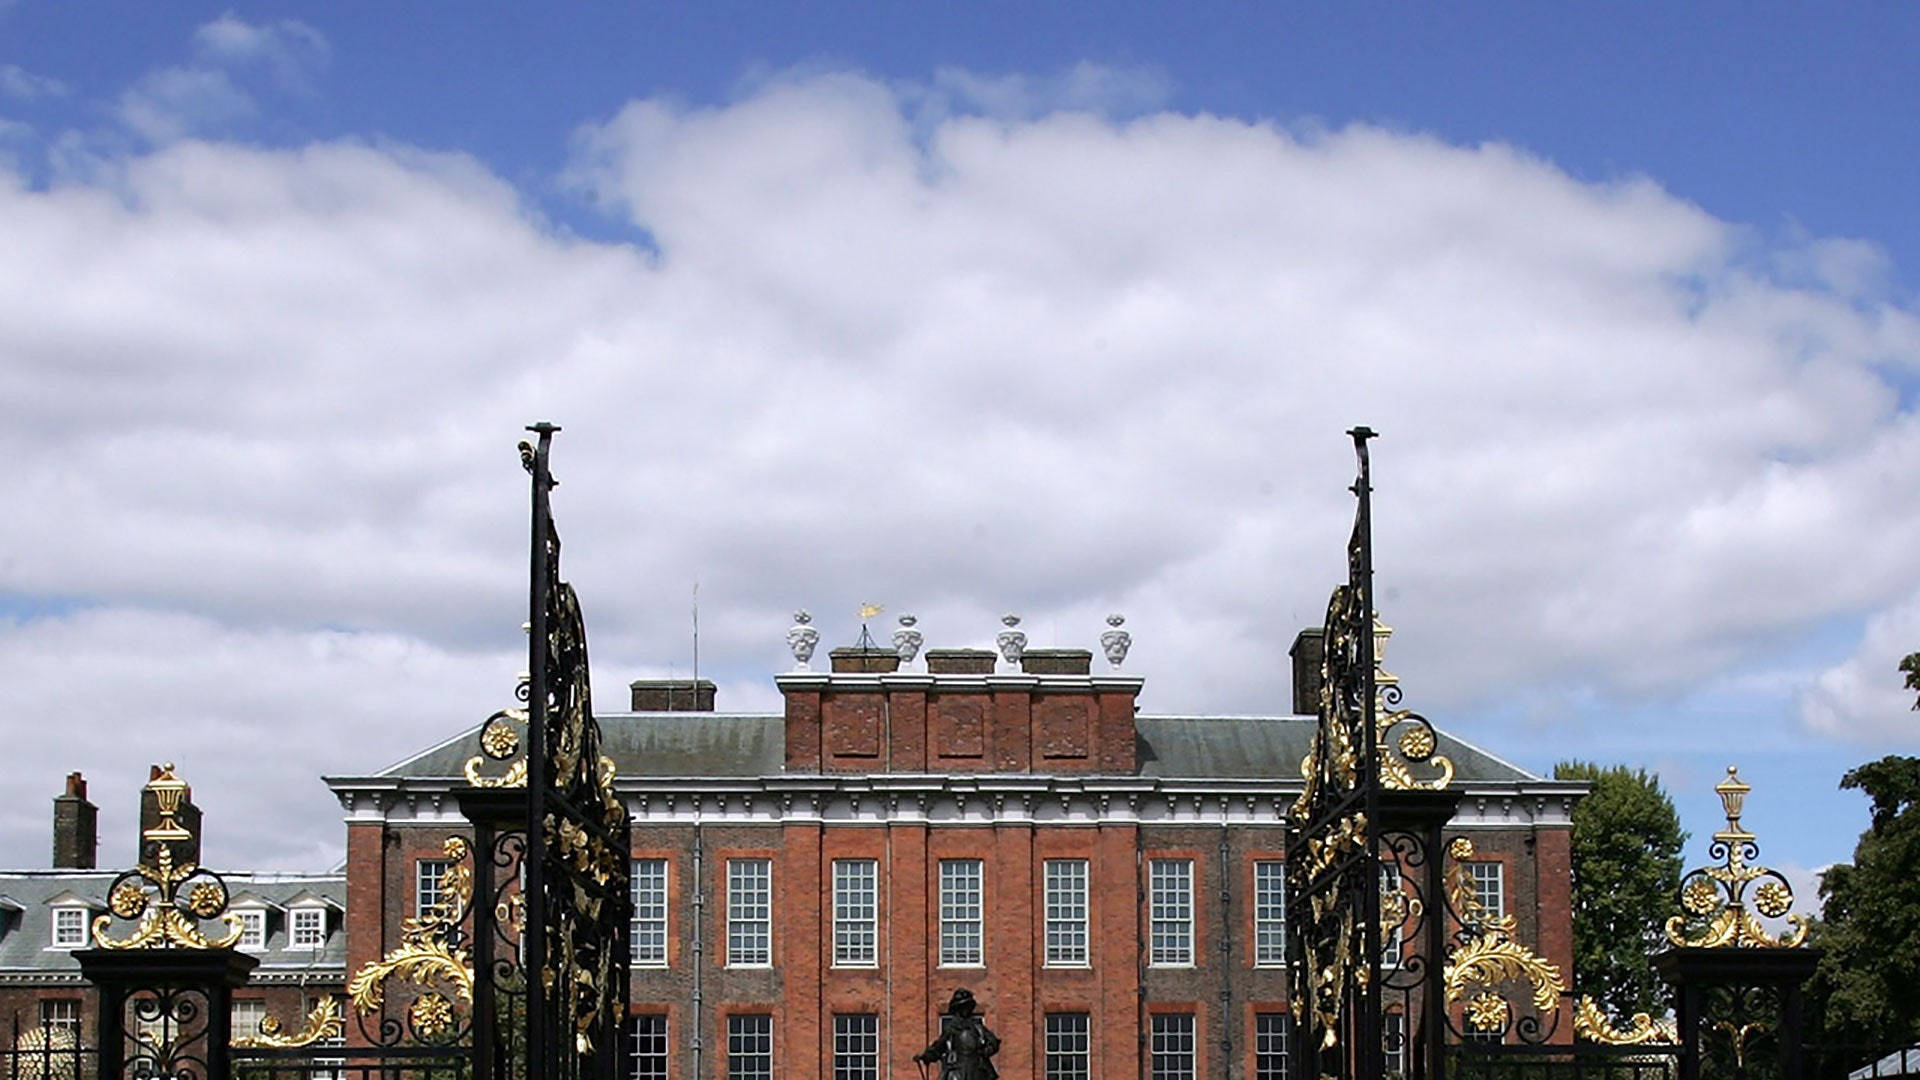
209 95
1864 698
19 84
1062 365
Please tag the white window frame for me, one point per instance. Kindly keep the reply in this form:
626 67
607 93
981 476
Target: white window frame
1067 1052
856 913
656 1052
1066 896
963 908
1393 1044
71 935
740 1028
1170 912
1489 880
1269 913
1392 938
1272 1042
647 934
316 915
244 1016
750 913
856 1046
1173 1047
253 927
429 886
58 1014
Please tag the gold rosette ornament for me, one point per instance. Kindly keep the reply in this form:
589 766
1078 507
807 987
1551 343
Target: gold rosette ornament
1714 900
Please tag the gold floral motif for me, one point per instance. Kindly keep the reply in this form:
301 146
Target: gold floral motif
1717 894
323 1022
501 742
1591 1024
1488 1012
431 1015
1415 746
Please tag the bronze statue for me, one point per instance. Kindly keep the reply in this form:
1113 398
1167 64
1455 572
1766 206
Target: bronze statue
965 1047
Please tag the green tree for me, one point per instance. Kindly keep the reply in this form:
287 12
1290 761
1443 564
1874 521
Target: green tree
1626 882
1869 978
1911 665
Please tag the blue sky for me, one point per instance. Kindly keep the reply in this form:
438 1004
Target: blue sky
963 309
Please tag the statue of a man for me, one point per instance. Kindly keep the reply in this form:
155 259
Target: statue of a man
965 1047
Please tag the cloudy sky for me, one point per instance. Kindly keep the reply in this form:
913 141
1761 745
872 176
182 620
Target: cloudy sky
962 311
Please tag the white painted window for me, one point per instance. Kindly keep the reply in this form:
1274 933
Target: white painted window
60 1014
69 927
856 912
1271 1032
1172 1047
1392 928
1068 1047
307 928
961 912
1393 1044
856 1047
1489 887
750 913
246 1017
649 1047
430 886
1269 913
749 1046
1066 900
253 927
1170 904
647 934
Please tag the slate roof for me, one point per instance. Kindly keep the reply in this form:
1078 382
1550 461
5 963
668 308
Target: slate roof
26 939
691 744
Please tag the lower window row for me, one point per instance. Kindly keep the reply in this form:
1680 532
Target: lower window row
1067 1047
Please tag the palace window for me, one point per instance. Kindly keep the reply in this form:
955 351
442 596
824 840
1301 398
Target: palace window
253 927
750 913
1172 1047
1271 1033
307 928
430 886
960 912
856 1047
1392 928
1066 900
69 927
1393 1044
244 1018
1269 913
649 1047
856 912
60 1014
1489 890
1170 900
750 1044
1069 1053
648 931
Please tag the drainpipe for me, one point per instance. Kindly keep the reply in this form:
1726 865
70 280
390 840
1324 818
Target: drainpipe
1226 948
699 938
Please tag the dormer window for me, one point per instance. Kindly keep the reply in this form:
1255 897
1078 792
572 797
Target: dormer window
307 928
253 927
69 927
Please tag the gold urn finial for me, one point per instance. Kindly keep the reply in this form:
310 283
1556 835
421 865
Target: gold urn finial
169 791
1716 897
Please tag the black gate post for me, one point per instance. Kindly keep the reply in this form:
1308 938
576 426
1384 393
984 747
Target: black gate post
1413 823
498 814
185 986
1700 973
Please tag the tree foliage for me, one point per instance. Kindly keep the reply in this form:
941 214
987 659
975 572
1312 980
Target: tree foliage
1911 665
1626 880
1869 979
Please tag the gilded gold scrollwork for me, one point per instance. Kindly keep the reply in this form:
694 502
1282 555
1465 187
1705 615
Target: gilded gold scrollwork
1591 1024
426 955
167 900
1490 957
324 1022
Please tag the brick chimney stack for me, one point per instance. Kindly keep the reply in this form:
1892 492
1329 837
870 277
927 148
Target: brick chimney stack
1308 649
672 695
76 828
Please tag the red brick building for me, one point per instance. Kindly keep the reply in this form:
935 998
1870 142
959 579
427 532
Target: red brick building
810 886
